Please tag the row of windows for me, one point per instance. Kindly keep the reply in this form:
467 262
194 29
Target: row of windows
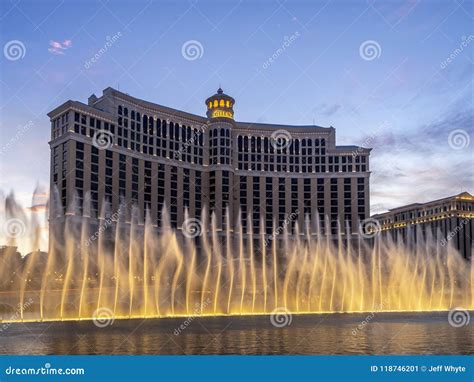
408 215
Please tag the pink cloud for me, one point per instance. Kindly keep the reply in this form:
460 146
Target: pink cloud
57 47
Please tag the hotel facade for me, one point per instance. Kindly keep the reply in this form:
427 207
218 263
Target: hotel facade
119 149
449 220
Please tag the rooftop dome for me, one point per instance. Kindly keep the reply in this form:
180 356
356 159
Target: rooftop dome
220 105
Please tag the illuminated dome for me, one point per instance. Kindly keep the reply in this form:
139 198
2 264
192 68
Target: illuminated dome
220 105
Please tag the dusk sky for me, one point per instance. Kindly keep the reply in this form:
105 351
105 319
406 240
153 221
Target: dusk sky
395 76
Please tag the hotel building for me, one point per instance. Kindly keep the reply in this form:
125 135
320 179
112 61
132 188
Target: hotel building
450 220
120 148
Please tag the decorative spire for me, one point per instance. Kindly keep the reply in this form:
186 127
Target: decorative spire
220 105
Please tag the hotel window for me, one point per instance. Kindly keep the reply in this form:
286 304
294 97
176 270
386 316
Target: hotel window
361 199
108 175
243 201
197 194
186 188
160 191
174 197
135 177
307 197
281 201
334 206
122 176
212 191
256 204
147 184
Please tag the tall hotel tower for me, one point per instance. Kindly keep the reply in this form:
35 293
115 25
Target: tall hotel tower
118 148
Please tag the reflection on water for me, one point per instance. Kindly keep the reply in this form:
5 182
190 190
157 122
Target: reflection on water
380 333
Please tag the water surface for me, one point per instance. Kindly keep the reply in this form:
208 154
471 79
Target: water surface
379 333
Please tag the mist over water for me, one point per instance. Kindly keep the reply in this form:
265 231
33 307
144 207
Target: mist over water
123 266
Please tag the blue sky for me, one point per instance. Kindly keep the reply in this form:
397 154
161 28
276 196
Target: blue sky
410 97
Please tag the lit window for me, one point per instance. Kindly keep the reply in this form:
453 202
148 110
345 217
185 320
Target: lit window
222 103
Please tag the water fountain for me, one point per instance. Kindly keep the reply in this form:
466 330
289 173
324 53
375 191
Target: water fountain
124 268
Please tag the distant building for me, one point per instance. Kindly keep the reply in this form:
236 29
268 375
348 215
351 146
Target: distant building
120 148
449 219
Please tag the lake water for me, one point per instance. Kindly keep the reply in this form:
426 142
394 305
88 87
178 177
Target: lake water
379 333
